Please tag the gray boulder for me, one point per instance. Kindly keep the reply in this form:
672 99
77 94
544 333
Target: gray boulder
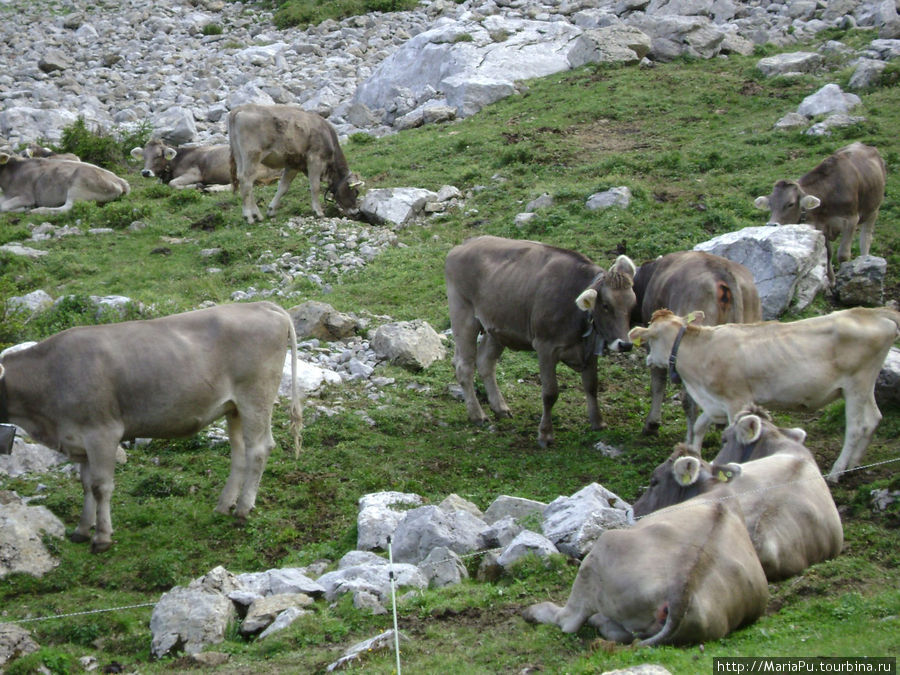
378 517
429 527
443 567
526 543
861 282
829 99
29 458
22 532
371 574
574 523
265 610
399 206
887 386
617 196
792 62
15 642
321 321
518 508
787 263
411 344
175 125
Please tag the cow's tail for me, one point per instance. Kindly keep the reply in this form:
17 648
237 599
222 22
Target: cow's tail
296 402
730 304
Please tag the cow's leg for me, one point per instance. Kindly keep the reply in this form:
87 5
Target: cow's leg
88 518
465 329
101 459
233 486
862 418
15 204
697 431
866 231
283 184
489 351
658 378
848 230
549 394
246 169
258 441
314 170
589 385
64 208
690 407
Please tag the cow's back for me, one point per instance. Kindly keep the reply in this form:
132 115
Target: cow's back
283 134
850 181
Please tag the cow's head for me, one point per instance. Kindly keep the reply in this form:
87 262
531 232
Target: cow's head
156 156
682 476
346 193
787 203
661 333
753 435
610 300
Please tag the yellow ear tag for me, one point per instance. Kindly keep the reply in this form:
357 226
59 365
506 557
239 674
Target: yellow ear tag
724 476
690 317
637 341
685 479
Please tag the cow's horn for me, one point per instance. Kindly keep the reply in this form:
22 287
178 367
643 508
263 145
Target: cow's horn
587 299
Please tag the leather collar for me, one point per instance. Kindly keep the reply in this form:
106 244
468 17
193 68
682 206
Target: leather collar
673 357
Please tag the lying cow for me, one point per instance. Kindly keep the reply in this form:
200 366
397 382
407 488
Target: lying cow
35 150
787 507
801 365
845 190
528 296
685 281
84 390
289 138
189 166
54 185
682 575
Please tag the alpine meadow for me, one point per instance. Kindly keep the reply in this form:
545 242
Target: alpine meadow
692 140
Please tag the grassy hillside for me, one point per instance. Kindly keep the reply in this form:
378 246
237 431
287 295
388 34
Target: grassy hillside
694 143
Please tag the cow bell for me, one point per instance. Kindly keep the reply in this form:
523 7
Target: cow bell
7 436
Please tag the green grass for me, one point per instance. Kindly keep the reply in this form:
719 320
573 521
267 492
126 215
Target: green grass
694 143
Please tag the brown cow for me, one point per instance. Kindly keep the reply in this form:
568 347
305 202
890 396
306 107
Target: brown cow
525 295
35 150
84 390
787 507
799 365
845 190
54 185
682 575
685 281
289 138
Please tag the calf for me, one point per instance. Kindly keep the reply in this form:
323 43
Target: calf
787 508
845 190
685 281
800 365
54 185
682 575
292 139
529 296
84 390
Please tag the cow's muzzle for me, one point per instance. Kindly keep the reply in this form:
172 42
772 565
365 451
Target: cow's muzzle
620 346
147 173
7 436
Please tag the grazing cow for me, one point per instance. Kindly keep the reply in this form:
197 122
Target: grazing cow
685 281
53 185
529 296
682 575
845 190
788 510
289 138
40 151
800 365
84 390
189 166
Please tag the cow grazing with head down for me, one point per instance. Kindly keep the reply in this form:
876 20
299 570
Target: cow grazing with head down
525 295
54 185
787 508
683 282
291 139
799 365
682 575
84 390
844 191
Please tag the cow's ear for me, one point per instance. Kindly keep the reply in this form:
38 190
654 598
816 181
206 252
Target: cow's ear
761 203
170 153
137 153
809 202
795 434
586 300
4 158
749 428
636 334
29 152
725 473
624 265
686 470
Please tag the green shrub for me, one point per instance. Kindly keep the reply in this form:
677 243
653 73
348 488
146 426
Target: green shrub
102 148
44 660
306 12
212 29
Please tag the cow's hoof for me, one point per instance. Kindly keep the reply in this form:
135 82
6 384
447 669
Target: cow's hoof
545 443
100 546
78 538
651 429
224 509
502 414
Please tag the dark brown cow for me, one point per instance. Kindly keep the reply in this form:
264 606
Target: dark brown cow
787 508
526 295
54 185
682 575
684 282
84 390
289 138
844 191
